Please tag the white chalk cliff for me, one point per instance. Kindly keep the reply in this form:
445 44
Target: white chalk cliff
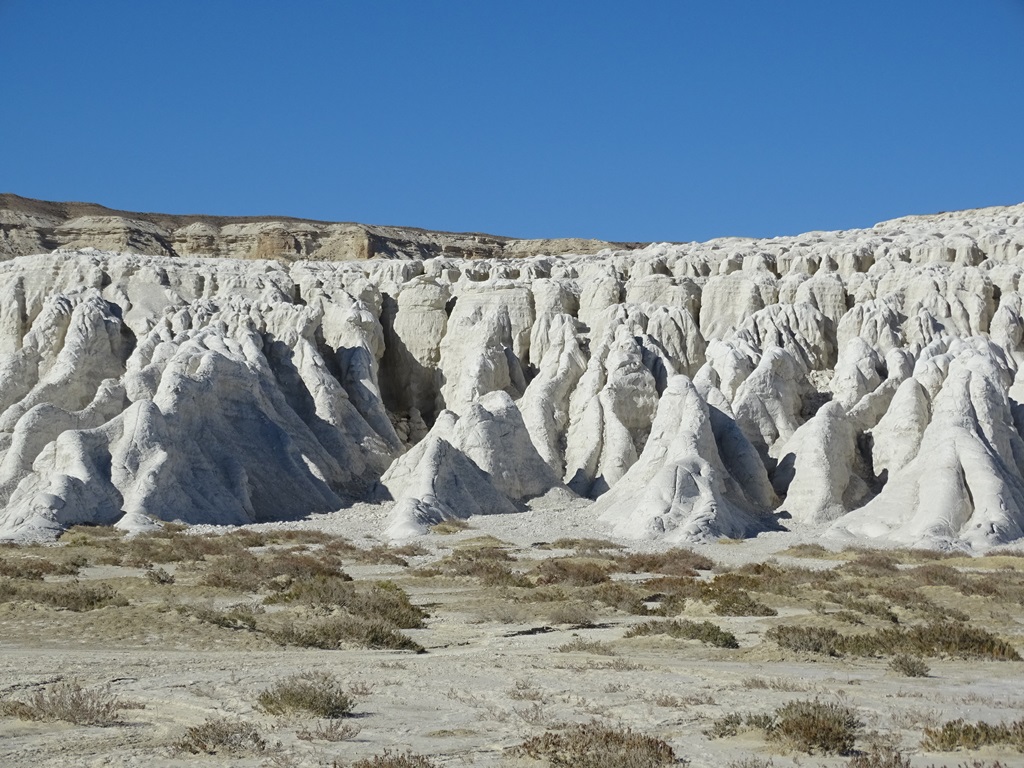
864 384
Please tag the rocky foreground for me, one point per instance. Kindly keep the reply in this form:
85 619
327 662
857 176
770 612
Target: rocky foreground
863 383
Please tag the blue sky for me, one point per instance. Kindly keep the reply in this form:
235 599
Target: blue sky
624 121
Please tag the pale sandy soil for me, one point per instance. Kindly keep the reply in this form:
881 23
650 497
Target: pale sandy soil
479 688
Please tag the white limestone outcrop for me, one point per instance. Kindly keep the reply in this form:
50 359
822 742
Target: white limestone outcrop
864 385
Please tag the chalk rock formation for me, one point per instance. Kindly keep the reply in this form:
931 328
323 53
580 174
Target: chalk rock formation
868 383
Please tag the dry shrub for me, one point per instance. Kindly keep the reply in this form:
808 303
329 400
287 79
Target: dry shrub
449 527
880 756
572 572
318 693
331 730
631 599
222 736
68 702
909 666
935 574
959 734
337 632
674 562
593 745
394 760
935 639
577 614
579 645
870 563
489 564
815 551
816 726
705 632
35 568
71 595
737 603
591 547
379 601
239 616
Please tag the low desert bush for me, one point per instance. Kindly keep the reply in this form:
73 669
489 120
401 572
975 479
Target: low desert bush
674 562
880 756
68 702
816 726
573 572
909 666
318 693
35 568
959 734
337 632
583 546
579 645
935 639
593 745
705 631
241 616
70 595
394 760
222 736
448 527
380 601
577 614
329 730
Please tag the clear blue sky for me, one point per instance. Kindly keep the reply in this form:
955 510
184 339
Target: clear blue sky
643 120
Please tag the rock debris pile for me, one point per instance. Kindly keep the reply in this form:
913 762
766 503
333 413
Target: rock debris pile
866 383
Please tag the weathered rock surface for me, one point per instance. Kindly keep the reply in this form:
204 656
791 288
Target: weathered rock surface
36 226
863 384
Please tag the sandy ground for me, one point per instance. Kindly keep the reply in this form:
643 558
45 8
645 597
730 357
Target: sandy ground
483 685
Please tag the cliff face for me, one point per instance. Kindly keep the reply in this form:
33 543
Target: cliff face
36 226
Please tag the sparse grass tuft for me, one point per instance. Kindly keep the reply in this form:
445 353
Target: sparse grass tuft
393 760
318 693
880 756
222 736
593 745
68 702
330 730
579 645
674 562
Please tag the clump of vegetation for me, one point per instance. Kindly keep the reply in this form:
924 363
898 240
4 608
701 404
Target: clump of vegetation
674 562
382 601
222 736
935 639
880 756
705 631
243 616
72 596
68 702
488 563
573 572
35 568
449 527
577 614
825 727
909 666
593 745
318 693
330 730
579 645
392 760
341 631
582 546
959 734
809 726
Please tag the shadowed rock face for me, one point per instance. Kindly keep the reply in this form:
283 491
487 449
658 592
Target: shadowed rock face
36 226
865 384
